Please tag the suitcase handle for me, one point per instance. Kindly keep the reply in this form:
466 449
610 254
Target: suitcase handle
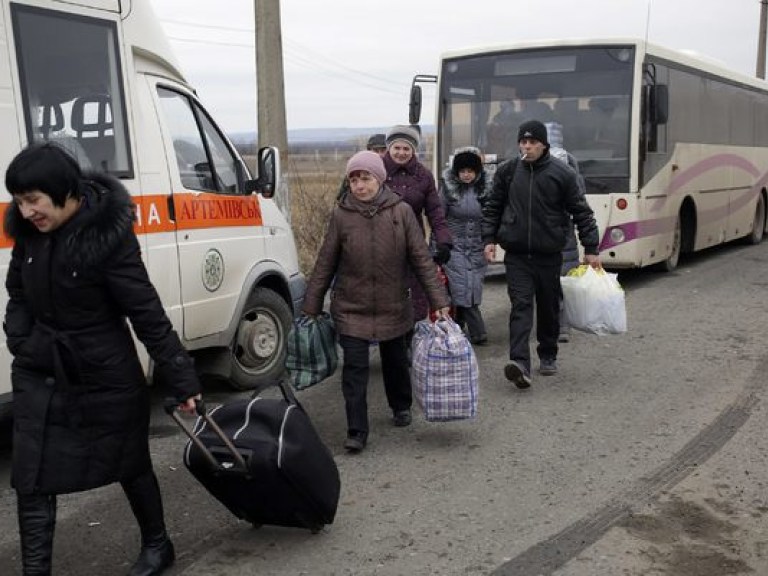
202 411
285 390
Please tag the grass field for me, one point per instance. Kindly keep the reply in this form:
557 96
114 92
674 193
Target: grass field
313 181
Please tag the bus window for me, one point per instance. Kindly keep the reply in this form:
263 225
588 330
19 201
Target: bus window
72 87
204 159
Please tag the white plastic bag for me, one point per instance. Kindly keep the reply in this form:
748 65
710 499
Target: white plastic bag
593 301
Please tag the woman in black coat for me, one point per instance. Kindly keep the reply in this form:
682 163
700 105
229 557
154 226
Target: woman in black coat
80 400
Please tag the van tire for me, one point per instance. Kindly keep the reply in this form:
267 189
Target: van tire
257 354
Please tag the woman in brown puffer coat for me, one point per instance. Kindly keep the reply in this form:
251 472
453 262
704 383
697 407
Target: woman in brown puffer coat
80 400
372 242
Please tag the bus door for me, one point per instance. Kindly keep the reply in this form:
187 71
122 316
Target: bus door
218 225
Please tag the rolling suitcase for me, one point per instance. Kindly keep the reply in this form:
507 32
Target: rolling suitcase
263 460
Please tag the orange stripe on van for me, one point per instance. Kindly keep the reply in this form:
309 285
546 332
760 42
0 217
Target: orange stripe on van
193 211
5 241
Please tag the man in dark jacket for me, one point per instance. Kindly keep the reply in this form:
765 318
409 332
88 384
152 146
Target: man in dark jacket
528 213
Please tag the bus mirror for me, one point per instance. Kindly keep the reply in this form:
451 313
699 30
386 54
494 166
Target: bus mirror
659 104
266 183
414 105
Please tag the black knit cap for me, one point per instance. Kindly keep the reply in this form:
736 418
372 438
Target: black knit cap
467 160
533 129
377 141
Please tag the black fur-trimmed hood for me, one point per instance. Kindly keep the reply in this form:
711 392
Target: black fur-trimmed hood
105 217
453 187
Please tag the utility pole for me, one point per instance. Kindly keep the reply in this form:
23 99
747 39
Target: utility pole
761 40
271 91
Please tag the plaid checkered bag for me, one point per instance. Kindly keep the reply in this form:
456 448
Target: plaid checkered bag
312 355
444 371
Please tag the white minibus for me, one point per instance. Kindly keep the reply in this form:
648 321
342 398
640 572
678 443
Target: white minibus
98 77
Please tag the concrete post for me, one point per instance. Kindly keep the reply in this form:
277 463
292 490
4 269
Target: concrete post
271 91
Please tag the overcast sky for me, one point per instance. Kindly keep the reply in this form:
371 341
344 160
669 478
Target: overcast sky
349 63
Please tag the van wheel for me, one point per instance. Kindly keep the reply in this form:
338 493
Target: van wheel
259 347
758 225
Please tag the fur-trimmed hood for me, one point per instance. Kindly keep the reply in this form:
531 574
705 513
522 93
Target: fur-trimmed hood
106 215
453 188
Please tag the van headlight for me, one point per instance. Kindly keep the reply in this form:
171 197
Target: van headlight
617 235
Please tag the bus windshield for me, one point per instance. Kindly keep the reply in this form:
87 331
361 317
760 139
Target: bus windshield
582 94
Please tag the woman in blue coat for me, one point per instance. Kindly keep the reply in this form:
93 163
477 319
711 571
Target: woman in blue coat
80 400
465 187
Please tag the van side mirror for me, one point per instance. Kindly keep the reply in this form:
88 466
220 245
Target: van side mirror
269 168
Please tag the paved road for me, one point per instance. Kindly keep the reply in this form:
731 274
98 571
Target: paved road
643 456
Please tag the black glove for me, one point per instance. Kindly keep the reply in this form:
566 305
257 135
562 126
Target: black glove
442 254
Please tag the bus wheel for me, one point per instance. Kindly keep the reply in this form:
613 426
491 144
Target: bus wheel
258 350
758 225
670 263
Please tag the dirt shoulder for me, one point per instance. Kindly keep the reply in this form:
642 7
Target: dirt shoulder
712 523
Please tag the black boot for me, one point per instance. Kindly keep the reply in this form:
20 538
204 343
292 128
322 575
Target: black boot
157 552
37 520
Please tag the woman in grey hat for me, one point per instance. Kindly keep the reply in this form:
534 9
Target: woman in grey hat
414 183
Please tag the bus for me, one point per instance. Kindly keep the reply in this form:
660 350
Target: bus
98 78
673 148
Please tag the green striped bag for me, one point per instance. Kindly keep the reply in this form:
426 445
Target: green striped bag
312 355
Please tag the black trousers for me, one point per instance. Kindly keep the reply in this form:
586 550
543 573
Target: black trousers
472 317
355 374
533 280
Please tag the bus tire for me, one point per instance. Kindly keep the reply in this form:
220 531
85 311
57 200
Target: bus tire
672 260
257 354
758 225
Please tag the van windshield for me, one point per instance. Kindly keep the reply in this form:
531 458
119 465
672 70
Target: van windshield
72 86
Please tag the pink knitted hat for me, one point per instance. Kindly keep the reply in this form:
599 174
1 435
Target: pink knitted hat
368 161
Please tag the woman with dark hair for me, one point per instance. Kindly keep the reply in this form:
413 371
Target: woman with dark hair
80 401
